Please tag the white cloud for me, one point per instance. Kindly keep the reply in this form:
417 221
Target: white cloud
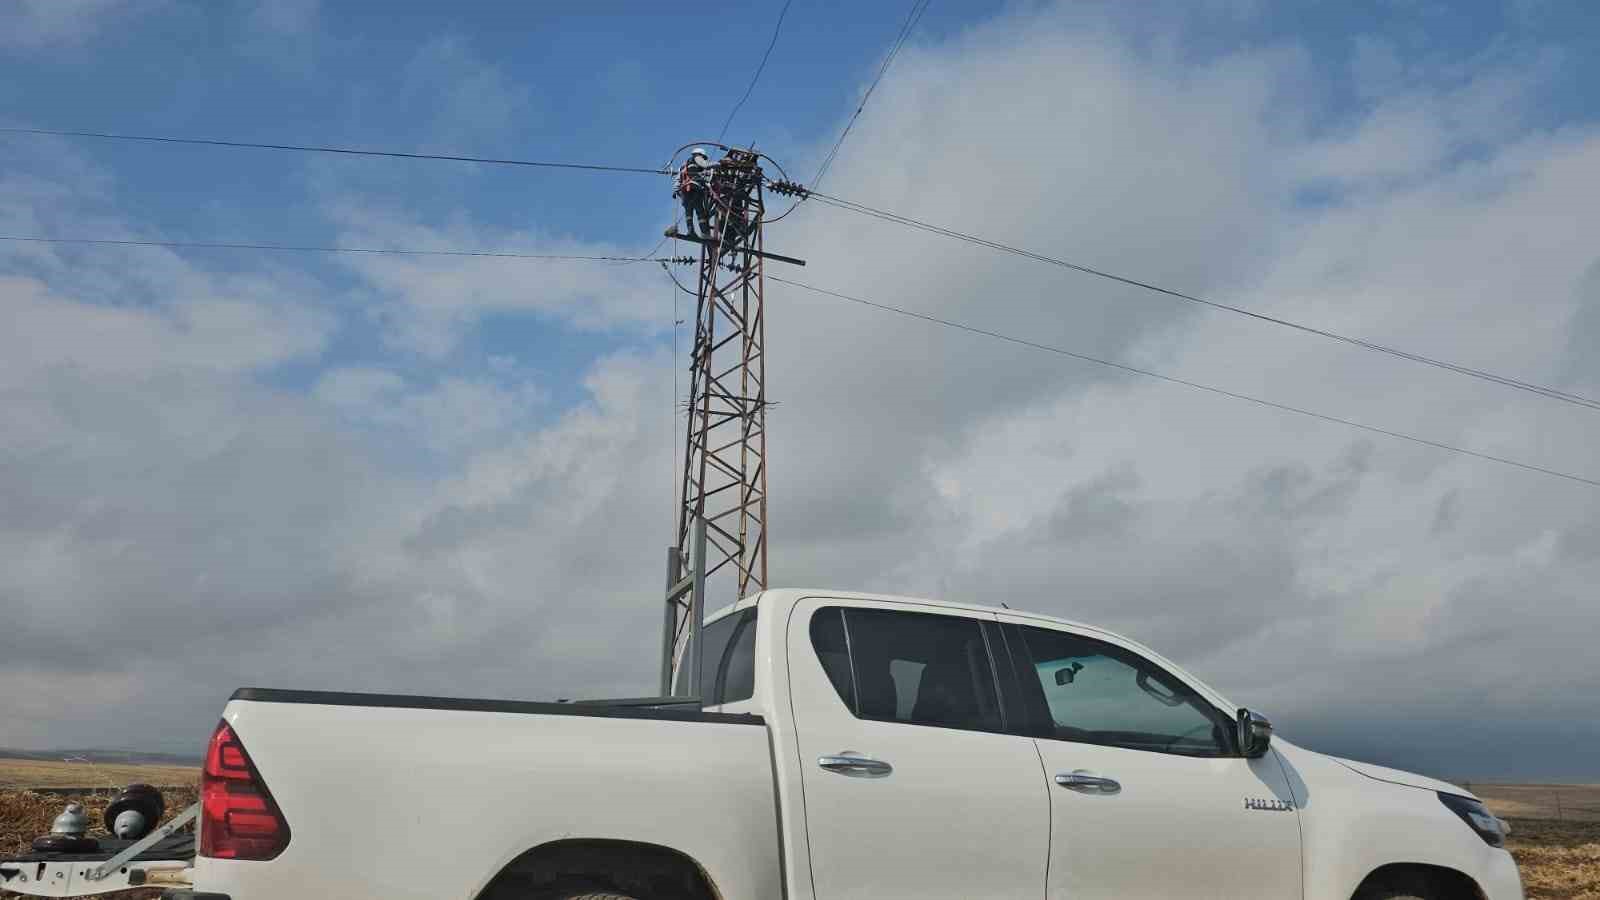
427 305
469 99
357 388
451 94
453 414
218 333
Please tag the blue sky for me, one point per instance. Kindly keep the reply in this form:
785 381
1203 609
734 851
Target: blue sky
451 476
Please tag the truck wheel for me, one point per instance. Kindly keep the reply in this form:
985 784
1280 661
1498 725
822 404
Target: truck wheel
1400 887
569 892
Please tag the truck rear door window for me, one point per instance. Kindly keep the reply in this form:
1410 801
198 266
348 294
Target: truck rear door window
916 668
729 673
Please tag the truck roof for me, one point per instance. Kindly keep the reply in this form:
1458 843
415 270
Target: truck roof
790 595
787 596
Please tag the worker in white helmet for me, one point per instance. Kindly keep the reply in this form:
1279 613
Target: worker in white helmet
694 189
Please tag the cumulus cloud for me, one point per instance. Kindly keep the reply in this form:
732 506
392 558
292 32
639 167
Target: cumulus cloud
450 93
1349 584
453 414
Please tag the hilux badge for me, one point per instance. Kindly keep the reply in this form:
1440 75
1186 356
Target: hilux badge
1268 805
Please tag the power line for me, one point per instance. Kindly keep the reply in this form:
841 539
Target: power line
859 300
1195 385
918 7
346 151
1505 380
759 69
215 245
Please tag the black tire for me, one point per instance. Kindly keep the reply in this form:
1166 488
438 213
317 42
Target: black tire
1406 886
513 891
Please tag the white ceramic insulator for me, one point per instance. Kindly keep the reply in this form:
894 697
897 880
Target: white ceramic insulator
130 824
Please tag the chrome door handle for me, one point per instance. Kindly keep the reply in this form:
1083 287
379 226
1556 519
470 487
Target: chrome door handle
1085 782
848 762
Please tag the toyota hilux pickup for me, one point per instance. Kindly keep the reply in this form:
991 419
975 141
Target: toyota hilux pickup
839 745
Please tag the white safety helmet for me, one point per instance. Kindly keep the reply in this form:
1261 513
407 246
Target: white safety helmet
698 153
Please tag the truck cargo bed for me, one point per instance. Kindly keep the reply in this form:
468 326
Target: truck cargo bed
177 846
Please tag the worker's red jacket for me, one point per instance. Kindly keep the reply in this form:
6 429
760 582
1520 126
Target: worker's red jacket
692 177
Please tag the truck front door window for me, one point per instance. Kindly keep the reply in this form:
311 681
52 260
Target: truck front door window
1098 693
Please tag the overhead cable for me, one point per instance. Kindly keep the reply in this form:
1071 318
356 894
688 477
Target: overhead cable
1505 380
346 151
918 7
759 69
1195 385
400 251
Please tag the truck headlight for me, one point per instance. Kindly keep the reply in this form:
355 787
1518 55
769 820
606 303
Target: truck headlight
1477 817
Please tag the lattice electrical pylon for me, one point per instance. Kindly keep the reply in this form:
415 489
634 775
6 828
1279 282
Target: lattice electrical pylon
724 480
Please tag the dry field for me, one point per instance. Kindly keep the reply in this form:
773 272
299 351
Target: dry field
1565 802
37 773
1559 857
25 815
1555 836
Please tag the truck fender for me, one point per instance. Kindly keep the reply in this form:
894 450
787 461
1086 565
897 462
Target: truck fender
631 867
1450 882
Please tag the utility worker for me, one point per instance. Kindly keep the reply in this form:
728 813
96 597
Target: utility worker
694 188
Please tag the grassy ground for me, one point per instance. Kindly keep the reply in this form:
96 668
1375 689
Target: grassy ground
1559 858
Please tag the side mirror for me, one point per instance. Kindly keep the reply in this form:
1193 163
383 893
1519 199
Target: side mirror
1255 733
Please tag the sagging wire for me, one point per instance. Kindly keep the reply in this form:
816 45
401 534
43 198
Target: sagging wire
912 18
1445 365
759 69
343 151
299 248
1182 382
679 260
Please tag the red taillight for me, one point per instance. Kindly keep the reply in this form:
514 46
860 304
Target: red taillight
238 819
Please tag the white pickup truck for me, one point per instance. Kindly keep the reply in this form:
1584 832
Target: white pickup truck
843 746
